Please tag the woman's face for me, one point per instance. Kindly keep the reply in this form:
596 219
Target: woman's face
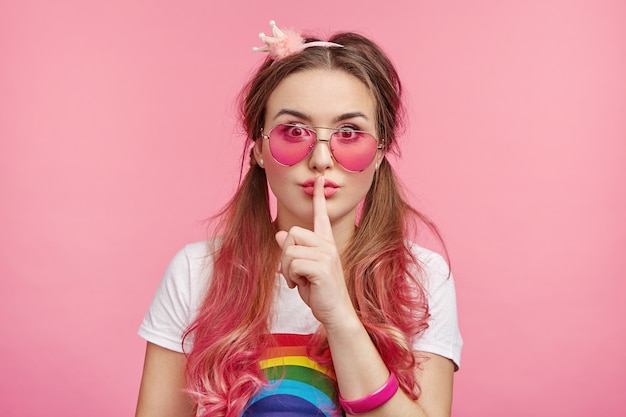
327 98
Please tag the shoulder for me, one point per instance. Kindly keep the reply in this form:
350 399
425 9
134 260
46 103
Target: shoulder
192 267
192 260
442 336
432 269
423 254
193 253
178 297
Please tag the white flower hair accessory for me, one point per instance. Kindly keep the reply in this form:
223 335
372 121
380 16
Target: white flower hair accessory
286 42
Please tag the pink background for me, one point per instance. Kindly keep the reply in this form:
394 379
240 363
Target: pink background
118 136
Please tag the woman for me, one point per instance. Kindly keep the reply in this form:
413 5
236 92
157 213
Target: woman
328 308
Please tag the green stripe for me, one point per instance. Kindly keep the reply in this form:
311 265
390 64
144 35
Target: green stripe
305 375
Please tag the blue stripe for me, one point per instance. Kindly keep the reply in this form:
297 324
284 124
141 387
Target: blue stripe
299 390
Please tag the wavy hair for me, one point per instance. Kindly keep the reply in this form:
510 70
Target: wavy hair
232 326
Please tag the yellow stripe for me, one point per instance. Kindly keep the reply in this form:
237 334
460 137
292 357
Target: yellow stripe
294 360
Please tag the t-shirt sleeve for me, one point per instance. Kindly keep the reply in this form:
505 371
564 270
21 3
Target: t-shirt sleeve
442 337
172 308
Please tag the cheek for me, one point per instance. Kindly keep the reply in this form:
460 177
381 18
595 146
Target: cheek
366 178
276 174
360 185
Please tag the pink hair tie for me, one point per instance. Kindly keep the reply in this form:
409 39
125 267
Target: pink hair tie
286 42
374 400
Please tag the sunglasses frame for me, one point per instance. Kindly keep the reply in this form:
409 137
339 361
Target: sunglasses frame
379 145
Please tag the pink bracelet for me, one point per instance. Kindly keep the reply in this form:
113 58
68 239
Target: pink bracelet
374 400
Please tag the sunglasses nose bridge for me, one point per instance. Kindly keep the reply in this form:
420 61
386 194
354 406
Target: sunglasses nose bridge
321 157
319 139
315 132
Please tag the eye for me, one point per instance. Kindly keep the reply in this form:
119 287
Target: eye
294 133
347 134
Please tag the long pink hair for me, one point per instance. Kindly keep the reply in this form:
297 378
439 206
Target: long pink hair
232 327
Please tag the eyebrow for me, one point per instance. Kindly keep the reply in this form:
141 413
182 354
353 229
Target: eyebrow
300 115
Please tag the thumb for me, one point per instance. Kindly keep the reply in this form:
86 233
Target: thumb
280 238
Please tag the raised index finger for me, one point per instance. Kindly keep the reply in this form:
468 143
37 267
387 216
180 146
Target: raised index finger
321 222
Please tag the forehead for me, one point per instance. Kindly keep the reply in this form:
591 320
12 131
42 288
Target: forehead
322 94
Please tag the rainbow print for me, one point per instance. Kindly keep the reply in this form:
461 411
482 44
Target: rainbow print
298 386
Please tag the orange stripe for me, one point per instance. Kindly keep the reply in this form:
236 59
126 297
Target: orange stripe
280 351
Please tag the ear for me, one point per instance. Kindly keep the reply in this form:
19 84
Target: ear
258 152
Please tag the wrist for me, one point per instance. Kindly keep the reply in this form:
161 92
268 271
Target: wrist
373 400
346 323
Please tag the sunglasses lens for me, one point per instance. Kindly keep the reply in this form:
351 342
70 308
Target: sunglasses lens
290 144
352 149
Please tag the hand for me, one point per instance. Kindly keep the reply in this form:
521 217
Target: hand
310 261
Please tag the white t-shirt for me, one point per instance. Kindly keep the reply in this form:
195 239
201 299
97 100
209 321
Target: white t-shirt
182 289
297 384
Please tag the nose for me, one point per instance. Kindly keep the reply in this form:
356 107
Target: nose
321 157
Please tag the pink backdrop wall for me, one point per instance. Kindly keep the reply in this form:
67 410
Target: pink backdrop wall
118 136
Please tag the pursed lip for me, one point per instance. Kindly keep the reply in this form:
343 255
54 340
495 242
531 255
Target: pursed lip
330 187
